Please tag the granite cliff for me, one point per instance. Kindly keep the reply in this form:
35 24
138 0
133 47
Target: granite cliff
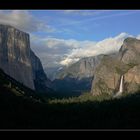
125 63
17 59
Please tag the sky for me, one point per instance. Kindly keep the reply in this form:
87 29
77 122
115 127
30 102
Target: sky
62 37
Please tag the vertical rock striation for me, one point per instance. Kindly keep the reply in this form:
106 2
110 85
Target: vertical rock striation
16 58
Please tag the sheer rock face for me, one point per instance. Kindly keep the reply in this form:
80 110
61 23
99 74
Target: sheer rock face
126 62
15 55
16 58
41 82
130 51
84 68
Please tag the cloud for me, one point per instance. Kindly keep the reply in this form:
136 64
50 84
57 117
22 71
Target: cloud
51 50
54 51
106 46
138 37
83 12
23 20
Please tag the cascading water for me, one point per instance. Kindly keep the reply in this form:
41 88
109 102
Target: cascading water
120 87
121 84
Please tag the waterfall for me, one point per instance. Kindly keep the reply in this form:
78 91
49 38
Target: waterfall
120 87
121 84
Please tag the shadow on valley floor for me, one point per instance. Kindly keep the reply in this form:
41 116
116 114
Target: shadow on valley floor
68 87
18 112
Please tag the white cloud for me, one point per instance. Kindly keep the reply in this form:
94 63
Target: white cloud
23 20
83 12
138 37
105 46
54 51
54 43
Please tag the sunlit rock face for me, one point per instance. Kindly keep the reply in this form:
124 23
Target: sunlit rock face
17 60
15 55
130 51
126 62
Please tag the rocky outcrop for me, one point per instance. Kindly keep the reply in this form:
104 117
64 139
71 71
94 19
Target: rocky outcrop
126 62
84 68
16 58
77 78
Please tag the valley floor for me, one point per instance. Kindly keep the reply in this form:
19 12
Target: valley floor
84 112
